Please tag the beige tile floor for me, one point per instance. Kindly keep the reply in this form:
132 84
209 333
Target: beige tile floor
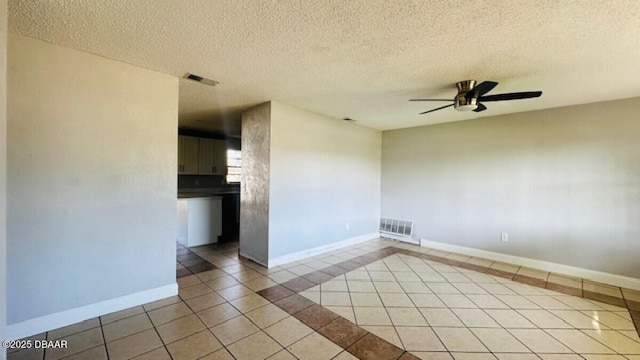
440 311
433 310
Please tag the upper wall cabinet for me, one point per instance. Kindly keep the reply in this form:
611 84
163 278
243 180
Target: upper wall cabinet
201 156
188 155
213 157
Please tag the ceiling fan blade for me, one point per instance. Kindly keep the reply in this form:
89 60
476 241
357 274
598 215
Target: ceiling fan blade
481 89
436 109
431 100
480 108
511 96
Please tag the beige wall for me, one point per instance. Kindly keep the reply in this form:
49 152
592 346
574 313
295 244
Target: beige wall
563 183
3 173
308 182
92 147
324 185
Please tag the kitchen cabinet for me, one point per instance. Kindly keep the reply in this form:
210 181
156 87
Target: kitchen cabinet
199 220
188 148
212 157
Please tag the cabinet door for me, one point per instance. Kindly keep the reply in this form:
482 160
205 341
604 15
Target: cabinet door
213 159
180 154
220 156
206 163
187 155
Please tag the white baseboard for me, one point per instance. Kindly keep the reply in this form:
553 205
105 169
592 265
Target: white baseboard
251 258
68 317
598 276
321 249
405 238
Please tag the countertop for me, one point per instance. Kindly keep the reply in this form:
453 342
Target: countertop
203 193
198 196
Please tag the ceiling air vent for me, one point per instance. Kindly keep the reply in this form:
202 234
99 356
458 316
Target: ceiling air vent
201 80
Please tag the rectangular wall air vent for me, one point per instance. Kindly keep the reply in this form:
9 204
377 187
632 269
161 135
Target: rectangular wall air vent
397 229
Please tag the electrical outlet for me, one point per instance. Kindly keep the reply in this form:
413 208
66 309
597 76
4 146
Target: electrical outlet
347 226
504 237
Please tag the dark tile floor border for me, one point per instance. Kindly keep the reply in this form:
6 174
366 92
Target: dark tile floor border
192 263
365 345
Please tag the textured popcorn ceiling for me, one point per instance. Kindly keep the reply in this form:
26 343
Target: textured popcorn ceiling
359 58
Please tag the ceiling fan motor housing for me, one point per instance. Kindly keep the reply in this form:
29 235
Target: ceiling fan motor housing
461 102
471 96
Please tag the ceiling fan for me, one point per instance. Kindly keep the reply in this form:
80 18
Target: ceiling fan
470 96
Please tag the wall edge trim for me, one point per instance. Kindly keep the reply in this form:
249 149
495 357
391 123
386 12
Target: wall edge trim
299 255
598 276
68 317
249 257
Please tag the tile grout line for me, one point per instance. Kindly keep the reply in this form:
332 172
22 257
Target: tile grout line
539 283
452 310
104 339
385 307
396 250
615 304
157 333
512 278
225 347
227 301
155 328
417 307
369 260
348 265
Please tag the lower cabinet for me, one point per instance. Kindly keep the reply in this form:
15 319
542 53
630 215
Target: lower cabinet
230 217
199 220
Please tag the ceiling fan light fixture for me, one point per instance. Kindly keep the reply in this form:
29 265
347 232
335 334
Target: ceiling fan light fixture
462 103
471 97
468 107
